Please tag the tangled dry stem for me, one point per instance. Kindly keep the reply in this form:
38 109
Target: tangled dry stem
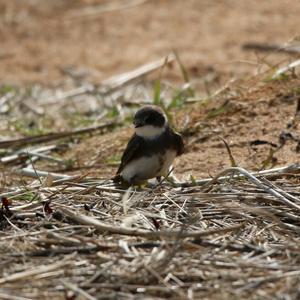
230 238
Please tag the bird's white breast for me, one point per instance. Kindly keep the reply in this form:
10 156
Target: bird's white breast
149 131
148 167
142 168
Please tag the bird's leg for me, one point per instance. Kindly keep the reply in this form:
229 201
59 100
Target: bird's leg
134 181
158 178
158 185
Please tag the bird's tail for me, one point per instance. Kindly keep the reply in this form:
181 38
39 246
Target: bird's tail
120 182
117 179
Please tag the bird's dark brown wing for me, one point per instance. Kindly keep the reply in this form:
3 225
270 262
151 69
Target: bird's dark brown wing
179 143
133 147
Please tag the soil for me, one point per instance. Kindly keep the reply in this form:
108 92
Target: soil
240 115
258 126
40 41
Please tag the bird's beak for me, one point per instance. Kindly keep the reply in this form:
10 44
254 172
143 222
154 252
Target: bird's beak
138 123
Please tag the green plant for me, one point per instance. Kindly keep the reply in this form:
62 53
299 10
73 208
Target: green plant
190 91
217 111
28 127
5 89
113 112
25 196
113 160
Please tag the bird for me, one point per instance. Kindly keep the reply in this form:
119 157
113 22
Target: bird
151 150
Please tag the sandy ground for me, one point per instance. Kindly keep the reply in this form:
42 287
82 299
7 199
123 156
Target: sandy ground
98 39
40 41
49 46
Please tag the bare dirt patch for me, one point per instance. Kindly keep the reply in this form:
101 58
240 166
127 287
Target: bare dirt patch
76 237
255 124
40 41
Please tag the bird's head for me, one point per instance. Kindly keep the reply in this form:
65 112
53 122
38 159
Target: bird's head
150 121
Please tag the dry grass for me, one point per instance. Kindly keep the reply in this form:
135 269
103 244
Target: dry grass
72 236
85 236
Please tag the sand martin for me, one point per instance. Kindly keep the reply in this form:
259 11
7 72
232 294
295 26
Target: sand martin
152 148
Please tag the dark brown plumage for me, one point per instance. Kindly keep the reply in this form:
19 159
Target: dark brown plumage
154 150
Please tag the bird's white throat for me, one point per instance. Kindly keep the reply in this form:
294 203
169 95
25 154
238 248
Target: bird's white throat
149 131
